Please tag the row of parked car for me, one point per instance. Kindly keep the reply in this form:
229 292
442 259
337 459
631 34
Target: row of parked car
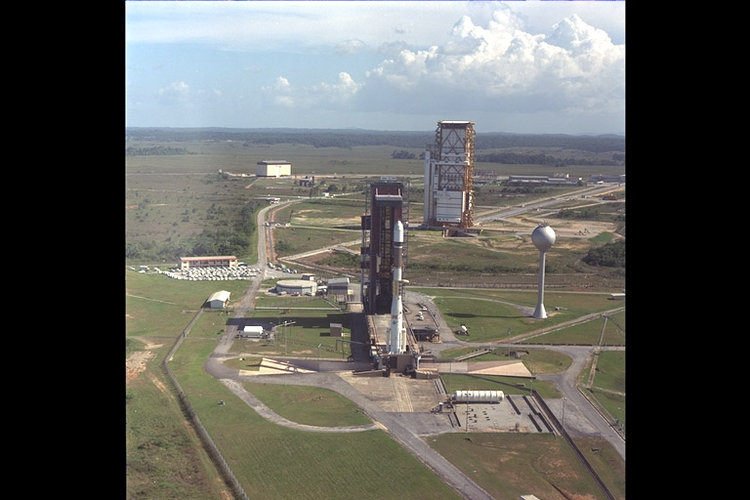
206 273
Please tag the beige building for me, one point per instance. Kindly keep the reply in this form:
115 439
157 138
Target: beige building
272 168
218 261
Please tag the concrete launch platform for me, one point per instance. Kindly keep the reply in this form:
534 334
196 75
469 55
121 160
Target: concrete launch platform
415 402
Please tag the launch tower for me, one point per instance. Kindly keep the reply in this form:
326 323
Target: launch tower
448 176
386 207
393 345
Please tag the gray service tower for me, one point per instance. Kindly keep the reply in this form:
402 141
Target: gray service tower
383 259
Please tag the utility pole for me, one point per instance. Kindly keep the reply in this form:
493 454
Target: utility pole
286 333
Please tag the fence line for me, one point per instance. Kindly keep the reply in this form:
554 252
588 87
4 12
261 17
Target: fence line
572 444
208 443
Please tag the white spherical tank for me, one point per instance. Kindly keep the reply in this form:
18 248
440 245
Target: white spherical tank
543 237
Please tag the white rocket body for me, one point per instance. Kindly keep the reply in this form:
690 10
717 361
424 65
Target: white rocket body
396 337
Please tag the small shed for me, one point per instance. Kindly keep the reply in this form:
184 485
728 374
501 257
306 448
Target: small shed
336 329
218 300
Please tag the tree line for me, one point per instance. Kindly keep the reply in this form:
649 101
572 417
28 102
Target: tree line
158 150
351 138
511 158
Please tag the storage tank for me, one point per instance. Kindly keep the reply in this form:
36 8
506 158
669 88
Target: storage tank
478 396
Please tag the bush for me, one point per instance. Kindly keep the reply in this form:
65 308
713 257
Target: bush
609 255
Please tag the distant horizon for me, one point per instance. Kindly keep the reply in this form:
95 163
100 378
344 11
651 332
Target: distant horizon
355 129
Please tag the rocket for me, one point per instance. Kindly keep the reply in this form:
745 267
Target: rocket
396 337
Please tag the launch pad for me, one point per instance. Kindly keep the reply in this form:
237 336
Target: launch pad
383 252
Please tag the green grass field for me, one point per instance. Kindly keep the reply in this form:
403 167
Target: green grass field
171 199
495 315
509 465
150 434
273 461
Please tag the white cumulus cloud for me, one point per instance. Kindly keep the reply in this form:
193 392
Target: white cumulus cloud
176 90
333 94
574 66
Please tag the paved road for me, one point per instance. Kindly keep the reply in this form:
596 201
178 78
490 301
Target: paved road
385 420
575 411
507 212
577 414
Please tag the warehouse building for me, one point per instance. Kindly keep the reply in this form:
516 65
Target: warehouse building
273 168
297 287
218 300
340 288
217 261
252 332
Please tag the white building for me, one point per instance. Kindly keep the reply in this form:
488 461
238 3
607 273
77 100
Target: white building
218 300
273 168
297 287
252 332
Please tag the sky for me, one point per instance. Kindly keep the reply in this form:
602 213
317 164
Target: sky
509 66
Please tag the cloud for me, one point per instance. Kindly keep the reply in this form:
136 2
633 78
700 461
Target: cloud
502 65
349 47
175 91
334 95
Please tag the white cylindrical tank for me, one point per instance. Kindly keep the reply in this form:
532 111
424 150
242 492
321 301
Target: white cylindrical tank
478 396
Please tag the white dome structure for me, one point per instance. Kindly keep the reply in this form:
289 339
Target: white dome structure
543 238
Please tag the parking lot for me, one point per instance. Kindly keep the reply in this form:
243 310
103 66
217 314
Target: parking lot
208 273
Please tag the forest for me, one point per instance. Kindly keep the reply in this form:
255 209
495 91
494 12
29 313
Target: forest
351 138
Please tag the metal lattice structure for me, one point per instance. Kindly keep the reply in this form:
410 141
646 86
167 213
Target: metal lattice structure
449 174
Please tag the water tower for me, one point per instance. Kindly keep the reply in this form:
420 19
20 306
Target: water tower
543 238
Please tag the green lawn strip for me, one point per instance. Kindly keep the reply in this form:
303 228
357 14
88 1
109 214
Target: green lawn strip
584 333
610 369
308 405
294 240
317 212
609 384
509 385
509 465
614 404
606 461
156 304
614 331
309 336
272 461
287 301
163 457
535 360
494 315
